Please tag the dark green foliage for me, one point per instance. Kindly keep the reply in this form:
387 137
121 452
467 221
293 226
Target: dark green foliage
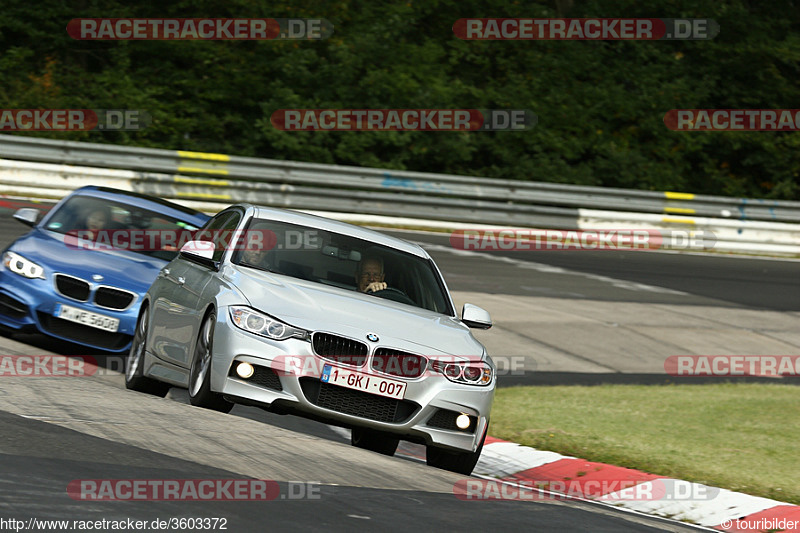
600 104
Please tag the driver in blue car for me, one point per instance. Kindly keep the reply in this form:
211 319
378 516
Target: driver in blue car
97 220
369 275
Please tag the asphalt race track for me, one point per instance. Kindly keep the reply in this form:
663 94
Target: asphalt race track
56 430
725 280
97 431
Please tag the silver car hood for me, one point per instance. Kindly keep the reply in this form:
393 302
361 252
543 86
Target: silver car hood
318 307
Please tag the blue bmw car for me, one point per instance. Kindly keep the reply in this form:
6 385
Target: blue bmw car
80 273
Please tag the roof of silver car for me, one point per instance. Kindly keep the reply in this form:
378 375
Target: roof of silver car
305 219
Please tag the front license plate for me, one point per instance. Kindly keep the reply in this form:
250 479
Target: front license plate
363 382
87 318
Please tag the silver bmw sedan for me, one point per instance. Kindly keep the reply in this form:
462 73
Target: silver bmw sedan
301 314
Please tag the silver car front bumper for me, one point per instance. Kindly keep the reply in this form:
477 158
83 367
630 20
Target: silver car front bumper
425 395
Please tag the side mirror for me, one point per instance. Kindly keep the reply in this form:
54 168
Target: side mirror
201 252
475 317
27 215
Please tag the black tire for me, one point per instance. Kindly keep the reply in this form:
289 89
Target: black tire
134 364
375 441
459 462
200 393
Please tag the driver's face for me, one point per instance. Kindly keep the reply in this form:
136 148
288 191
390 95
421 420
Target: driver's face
253 257
96 220
370 273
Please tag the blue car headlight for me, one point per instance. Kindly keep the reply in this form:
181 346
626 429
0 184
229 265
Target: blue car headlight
24 267
254 322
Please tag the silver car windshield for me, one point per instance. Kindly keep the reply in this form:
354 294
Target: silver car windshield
342 261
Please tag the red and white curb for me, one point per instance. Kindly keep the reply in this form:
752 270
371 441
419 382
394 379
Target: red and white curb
707 506
715 508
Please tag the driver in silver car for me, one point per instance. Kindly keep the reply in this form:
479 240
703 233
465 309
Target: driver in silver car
255 256
369 275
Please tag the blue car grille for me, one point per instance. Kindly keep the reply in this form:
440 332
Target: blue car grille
113 298
74 288
81 290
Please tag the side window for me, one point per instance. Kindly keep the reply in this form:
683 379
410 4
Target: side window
225 237
219 230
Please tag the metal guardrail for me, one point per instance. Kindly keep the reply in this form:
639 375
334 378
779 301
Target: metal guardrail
385 192
42 167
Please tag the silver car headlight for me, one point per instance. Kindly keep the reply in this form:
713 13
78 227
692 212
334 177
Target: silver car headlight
251 320
24 267
466 372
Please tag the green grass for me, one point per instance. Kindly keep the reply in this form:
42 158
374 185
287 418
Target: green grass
742 437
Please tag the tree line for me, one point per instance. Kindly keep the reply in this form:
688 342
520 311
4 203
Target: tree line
600 104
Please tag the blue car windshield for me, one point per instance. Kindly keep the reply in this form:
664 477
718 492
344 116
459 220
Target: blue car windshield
96 223
342 261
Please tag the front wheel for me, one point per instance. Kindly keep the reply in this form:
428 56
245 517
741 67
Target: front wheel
200 393
375 441
134 365
459 462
